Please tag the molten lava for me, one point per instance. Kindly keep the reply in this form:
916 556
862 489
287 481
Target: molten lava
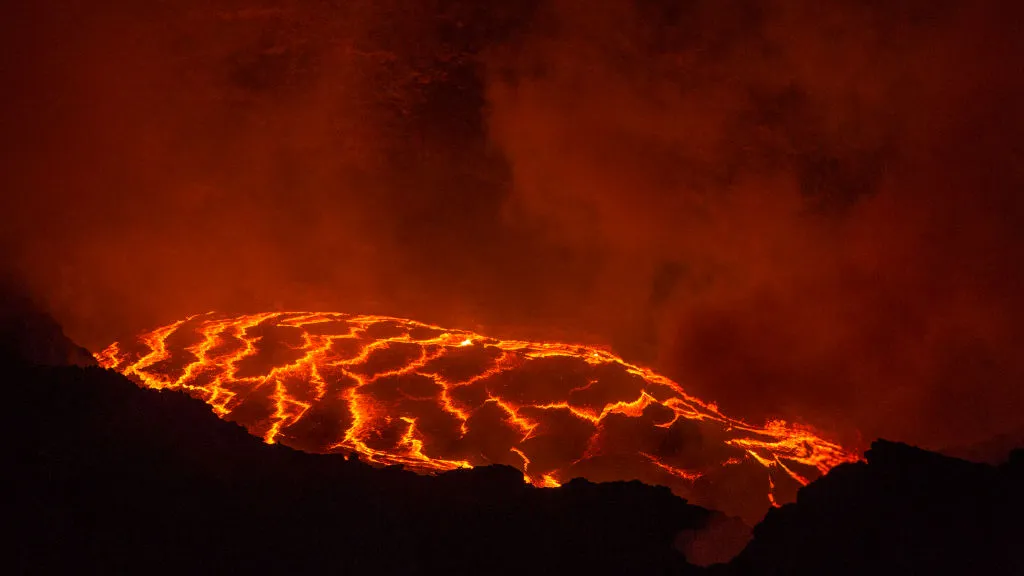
432 399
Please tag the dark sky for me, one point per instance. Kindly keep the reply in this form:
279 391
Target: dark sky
799 209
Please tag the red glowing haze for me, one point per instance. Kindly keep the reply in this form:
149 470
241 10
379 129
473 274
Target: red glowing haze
801 211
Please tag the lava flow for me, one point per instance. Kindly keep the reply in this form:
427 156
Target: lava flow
431 399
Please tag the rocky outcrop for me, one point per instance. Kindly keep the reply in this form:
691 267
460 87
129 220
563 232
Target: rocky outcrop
29 334
114 478
903 511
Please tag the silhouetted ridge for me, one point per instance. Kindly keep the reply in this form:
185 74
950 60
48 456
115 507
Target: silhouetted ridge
992 450
28 334
1015 463
112 477
905 510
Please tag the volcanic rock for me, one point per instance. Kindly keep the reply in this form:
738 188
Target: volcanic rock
29 334
110 477
904 511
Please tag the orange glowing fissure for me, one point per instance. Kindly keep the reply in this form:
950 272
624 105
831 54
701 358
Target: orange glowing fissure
432 399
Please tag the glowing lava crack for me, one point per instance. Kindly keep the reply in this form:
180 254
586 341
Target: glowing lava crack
432 399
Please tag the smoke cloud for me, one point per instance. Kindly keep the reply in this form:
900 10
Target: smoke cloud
796 210
813 212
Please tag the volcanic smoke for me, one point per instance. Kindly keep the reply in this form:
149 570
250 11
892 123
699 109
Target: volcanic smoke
400 392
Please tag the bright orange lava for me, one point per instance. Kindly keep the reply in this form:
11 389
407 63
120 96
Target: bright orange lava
429 398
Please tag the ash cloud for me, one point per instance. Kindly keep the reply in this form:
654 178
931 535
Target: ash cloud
174 158
809 212
796 210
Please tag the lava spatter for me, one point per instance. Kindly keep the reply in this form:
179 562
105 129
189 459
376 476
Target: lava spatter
432 399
